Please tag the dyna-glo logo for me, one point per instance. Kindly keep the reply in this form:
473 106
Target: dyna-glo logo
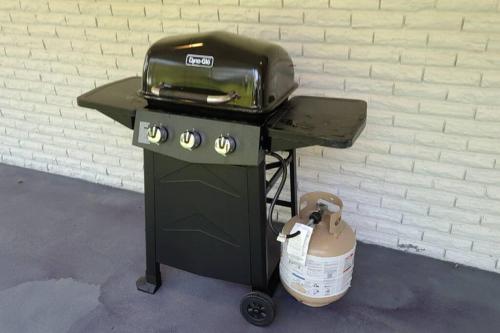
199 60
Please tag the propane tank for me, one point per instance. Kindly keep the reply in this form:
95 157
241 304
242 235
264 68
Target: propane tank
323 275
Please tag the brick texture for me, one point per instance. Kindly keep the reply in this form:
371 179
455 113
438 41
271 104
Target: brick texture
424 177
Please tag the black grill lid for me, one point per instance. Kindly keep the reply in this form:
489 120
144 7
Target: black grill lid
217 70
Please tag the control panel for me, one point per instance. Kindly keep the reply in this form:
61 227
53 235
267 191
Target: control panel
198 140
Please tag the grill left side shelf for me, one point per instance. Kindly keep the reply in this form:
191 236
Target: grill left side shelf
117 100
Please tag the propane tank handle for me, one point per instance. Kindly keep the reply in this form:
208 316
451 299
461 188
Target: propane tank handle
334 219
335 225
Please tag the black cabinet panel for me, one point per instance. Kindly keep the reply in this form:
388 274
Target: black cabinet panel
202 218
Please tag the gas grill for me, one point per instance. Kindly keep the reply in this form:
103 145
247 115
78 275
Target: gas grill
207 110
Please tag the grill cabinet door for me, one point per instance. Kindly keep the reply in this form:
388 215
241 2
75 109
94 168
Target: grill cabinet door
202 218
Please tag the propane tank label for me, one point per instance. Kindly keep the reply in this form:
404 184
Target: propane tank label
297 246
320 276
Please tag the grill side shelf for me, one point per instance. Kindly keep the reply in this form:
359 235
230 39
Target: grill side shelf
310 121
117 100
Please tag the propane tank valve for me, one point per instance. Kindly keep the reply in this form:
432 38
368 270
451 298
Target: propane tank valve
316 216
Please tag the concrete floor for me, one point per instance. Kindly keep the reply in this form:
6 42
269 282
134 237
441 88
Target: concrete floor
70 252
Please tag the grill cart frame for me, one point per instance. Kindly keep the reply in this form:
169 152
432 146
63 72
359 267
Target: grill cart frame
208 214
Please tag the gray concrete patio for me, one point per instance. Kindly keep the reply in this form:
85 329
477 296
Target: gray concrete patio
70 252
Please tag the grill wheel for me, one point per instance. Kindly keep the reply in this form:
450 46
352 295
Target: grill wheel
258 308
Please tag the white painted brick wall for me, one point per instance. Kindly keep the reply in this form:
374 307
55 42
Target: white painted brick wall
424 177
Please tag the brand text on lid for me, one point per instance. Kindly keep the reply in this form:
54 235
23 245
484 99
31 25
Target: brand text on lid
199 60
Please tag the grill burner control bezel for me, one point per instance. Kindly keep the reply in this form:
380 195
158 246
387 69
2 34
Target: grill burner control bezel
157 134
190 139
225 145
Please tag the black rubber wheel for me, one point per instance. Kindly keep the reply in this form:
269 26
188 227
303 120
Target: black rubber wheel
257 308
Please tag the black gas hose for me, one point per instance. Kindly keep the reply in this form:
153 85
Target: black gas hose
283 168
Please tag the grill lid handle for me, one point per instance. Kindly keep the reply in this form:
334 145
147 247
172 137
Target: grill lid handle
164 92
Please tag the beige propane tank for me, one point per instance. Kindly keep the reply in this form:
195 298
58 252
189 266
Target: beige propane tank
325 274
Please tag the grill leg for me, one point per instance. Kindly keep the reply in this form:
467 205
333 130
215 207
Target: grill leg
293 183
152 280
264 249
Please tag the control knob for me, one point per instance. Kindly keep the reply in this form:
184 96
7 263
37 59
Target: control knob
157 134
225 145
190 139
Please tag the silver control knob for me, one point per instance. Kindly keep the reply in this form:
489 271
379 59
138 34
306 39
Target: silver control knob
225 145
157 134
190 139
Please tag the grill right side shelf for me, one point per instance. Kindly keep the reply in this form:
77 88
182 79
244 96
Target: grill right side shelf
309 121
